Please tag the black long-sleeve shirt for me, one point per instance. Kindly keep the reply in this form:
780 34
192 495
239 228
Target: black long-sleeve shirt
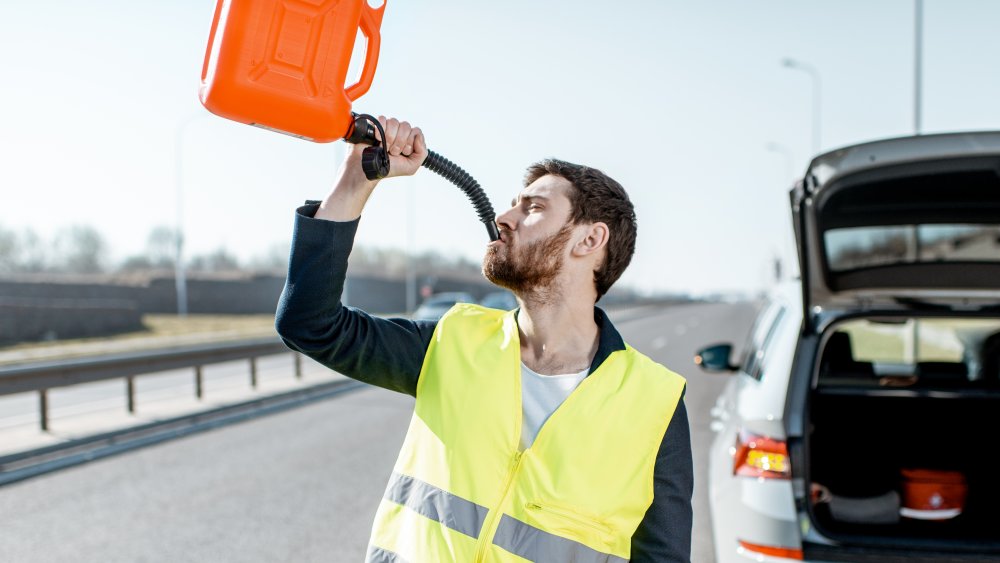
389 353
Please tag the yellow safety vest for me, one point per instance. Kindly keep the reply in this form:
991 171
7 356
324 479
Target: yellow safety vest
461 490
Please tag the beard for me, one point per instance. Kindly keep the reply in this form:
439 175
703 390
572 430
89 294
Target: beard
530 270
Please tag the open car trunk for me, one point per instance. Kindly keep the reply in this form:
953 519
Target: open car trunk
902 417
901 224
899 252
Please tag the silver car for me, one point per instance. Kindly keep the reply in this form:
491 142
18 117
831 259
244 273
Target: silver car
503 300
438 304
857 426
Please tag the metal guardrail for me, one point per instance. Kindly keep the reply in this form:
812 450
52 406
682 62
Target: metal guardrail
42 376
39 461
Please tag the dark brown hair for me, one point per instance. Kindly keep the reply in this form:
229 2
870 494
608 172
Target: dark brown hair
596 198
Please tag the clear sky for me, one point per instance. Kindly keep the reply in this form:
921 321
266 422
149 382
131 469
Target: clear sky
676 100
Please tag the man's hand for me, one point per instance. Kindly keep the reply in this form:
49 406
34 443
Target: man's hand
405 144
407 151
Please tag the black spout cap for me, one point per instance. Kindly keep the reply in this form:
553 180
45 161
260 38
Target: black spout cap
362 132
375 163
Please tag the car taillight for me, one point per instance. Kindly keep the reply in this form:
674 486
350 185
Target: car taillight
773 551
760 456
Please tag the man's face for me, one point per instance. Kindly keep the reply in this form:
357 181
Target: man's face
534 234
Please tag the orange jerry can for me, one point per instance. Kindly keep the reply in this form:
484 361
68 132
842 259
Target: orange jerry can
282 64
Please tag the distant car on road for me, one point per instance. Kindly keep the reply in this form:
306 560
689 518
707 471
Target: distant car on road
856 425
438 304
503 300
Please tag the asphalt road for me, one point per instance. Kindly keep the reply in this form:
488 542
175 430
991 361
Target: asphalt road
298 486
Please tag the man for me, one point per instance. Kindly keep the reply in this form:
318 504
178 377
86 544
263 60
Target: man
537 434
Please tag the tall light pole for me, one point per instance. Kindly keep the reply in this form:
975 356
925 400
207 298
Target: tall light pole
411 234
812 72
918 56
180 276
787 249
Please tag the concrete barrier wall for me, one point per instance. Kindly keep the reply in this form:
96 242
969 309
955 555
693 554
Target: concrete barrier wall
37 309
24 318
258 295
37 287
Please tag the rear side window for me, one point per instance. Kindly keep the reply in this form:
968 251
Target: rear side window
761 337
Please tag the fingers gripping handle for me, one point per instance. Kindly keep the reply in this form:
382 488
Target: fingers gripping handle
374 159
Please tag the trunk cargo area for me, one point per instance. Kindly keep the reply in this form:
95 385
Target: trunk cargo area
860 445
870 433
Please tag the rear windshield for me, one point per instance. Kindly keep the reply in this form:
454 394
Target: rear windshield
961 348
917 340
865 247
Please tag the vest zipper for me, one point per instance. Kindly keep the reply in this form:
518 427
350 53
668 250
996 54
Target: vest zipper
486 536
573 516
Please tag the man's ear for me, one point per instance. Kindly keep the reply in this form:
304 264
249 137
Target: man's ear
595 237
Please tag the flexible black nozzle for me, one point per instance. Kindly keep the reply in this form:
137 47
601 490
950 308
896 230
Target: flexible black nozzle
375 162
454 174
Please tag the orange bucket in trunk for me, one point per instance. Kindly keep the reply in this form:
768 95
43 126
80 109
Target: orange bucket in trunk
932 495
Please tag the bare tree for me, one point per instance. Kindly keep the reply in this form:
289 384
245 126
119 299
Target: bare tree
221 260
81 249
274 260
8 251
392 262
24 252
161 247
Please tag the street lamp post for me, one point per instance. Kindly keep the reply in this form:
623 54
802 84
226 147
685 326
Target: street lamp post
812 72
180 276
411 233
787 246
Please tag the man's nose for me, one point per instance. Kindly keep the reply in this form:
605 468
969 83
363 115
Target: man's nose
507 219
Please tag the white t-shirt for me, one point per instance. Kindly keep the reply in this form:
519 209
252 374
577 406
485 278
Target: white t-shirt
541 395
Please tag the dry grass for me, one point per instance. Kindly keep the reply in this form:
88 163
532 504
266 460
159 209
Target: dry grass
240 325
162 331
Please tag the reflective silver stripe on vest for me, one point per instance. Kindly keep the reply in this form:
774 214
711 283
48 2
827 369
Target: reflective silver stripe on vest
454 512
379 555
534 544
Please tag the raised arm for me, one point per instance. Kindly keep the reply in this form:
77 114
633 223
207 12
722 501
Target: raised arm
310 317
